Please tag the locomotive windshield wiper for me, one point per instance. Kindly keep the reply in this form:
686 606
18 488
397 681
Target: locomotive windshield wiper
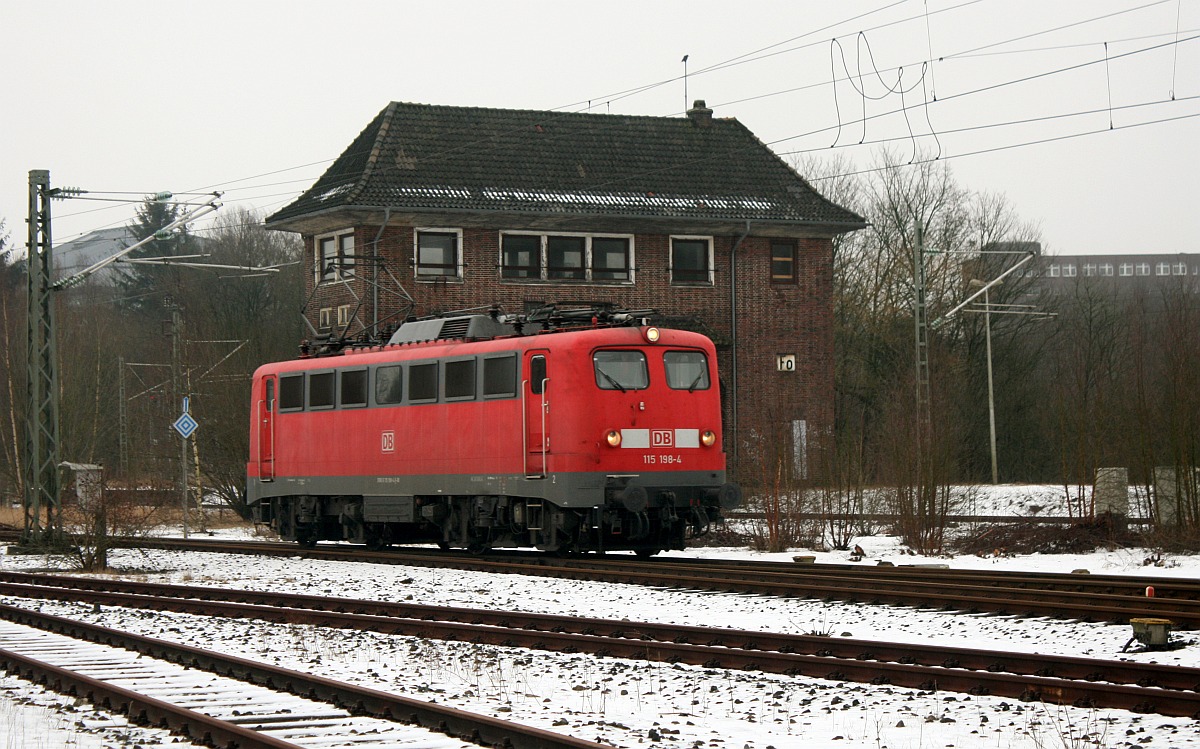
695 382
608 377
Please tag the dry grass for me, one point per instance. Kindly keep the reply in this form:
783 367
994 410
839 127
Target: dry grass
12 516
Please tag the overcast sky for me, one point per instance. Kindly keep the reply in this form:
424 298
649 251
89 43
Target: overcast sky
256 97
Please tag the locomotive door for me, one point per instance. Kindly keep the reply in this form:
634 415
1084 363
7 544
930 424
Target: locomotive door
266 431
536 408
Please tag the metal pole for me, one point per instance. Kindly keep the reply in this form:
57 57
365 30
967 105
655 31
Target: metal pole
987 329
177 386
42 416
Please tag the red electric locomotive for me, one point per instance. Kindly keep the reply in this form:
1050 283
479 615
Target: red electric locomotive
483 431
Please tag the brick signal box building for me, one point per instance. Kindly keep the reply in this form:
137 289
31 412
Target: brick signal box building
433 209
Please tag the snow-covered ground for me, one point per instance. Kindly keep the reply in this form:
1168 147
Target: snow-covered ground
632 703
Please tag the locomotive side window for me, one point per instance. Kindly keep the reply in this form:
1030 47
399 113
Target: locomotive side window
270 395
291 392
320 390
499 376
537 374
460 379
389 385
353 388
621 370
686 370
423 382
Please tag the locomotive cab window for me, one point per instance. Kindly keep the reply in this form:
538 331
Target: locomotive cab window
291 392
423 383
686 370
353 388
460 379
621 370
499 376
320 390
389 385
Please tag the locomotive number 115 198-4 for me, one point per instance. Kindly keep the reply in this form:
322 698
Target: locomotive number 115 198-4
664 460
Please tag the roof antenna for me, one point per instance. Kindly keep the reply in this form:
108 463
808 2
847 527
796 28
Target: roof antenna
685 99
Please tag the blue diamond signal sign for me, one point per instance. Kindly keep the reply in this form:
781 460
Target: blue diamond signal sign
185 424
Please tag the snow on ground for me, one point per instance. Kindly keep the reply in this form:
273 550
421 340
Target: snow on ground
633 703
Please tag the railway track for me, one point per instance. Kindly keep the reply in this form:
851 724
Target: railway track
1167 690
1112 598
224 701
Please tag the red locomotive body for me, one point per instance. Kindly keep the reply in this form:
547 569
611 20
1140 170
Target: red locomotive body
466 433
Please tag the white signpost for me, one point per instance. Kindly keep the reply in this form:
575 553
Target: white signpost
186 426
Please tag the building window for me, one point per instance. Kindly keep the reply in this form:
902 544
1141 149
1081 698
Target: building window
520 256
566 257
691 260
438 254
783 262
1069 270
1143 269
325 318
1106 269
610 259
1162 269
334 257
1126 269
1054 271
1089 269
1181 269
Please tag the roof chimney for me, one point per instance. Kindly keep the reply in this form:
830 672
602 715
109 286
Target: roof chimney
700 114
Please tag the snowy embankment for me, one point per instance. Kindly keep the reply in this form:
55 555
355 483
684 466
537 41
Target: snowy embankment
633 703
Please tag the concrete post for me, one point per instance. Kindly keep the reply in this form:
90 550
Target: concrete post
1166 495
1112 491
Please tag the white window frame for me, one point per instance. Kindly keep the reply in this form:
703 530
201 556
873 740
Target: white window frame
1089 269
1054 271
1180 269
1106 269
671 258
1142 269
543 260
1069 270
341 267
458 255
1126 269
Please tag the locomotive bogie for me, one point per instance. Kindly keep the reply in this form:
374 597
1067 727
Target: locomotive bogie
593 439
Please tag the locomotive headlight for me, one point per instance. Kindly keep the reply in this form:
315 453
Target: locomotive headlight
652 334
708 438
613 438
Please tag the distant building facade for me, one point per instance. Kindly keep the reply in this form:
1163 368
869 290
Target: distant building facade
433 209
1123 272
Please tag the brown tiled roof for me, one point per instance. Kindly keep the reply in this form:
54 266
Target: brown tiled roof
423 158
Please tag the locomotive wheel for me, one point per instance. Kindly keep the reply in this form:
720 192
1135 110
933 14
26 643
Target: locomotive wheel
646 553
443 545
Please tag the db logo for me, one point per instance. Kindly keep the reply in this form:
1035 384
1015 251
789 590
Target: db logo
387 442
662 438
